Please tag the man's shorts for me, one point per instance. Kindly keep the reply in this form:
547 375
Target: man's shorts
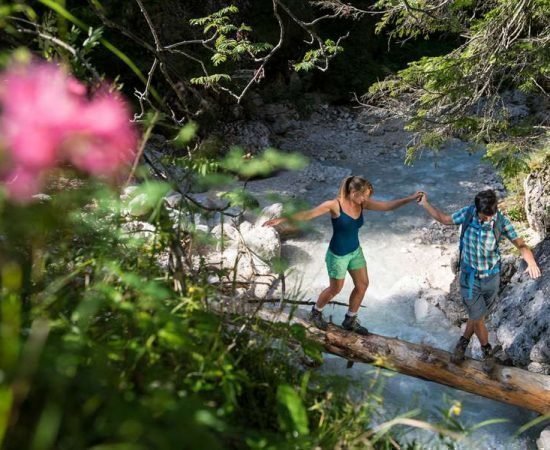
484 294
337 266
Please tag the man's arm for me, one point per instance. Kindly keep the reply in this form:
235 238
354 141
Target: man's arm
438 215
375 205
527 255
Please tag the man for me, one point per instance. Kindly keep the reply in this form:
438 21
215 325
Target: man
483 226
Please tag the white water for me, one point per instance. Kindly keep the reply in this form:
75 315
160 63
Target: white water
397 268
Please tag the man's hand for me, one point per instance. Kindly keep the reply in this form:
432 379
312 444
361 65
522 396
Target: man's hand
416 196
529 258
422 198
533 269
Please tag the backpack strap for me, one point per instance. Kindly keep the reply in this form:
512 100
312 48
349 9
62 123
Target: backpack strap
499 226
467 220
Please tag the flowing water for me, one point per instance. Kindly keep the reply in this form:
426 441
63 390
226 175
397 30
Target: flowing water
398 265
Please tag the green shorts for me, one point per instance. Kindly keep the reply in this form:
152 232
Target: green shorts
337 266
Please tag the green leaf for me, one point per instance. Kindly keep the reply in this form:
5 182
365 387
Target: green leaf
6 399
292 413
186 134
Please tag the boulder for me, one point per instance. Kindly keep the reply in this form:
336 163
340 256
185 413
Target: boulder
269 212
522 315
537 200
543 442
263 241
229 232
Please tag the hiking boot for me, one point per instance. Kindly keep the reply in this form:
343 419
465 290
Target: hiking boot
316 317
488 357
353 324
460 350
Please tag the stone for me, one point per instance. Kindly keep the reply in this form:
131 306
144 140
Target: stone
252 136
263 241
140 230
228 231
522 314
543 442
317 172
269 212
173 199
139 205
537 201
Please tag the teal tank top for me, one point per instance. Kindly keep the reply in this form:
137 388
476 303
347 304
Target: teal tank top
345 237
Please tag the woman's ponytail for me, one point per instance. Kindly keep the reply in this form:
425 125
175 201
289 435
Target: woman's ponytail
353 183
344 187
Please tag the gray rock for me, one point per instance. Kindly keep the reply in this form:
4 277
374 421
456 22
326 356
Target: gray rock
376 130
522 315
317 172
253 136
173 199
264 241
537 200
269 212
543 442
228 231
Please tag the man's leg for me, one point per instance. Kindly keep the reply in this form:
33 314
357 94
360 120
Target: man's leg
481 331
469 330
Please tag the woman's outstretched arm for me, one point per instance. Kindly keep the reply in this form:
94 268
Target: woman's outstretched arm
301 216
376 205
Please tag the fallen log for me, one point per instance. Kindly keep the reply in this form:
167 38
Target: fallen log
506 384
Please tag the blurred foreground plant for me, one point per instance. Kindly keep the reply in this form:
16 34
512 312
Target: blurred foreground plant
48 119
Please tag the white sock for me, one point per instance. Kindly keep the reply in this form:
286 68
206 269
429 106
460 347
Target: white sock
317 308
351 314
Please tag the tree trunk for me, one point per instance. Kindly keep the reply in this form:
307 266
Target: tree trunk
507 384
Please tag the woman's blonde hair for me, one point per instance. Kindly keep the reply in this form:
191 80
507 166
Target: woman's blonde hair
353 184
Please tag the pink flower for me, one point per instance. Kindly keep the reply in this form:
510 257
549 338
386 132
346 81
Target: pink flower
105 141
22 184
47 119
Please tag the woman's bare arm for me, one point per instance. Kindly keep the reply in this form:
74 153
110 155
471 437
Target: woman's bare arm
323 208
376 205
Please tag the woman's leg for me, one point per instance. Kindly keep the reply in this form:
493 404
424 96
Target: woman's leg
329 293
360 279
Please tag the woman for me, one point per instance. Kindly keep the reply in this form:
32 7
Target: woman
344 253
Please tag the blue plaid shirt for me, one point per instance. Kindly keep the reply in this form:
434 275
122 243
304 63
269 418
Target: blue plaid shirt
480 249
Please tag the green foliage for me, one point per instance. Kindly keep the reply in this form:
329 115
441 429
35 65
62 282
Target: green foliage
318 57
508 158
115 355
186 134
231 42
462 92
210 80
291 412
261 165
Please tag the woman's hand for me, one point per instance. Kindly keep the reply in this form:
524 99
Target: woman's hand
417 196
422 199
273 222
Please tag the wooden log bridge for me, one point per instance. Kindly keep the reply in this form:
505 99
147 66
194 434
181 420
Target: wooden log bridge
506 384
